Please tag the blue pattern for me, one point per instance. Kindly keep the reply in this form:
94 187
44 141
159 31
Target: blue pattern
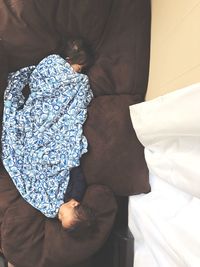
42 138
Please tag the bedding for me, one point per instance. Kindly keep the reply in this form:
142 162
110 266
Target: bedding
165 222
168 128
42 138
165 225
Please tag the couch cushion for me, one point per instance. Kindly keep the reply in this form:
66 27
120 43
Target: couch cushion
3 80
115 156
122 60
118 32
3 70
30 239
27 32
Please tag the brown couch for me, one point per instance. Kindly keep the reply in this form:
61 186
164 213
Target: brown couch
119 33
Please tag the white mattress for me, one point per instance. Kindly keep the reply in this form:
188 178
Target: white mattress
166 226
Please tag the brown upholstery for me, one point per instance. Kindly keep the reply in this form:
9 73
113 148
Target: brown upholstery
3 82
119 33
31 239
115 157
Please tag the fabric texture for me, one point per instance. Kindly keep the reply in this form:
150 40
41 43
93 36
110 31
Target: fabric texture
43 139
168 128
165 222
115 156
3 84
165 226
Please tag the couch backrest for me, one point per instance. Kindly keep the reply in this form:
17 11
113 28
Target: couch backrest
118 32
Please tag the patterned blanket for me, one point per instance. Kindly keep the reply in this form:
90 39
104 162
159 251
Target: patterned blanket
42 137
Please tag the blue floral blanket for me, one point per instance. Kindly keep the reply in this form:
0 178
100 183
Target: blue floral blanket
42 138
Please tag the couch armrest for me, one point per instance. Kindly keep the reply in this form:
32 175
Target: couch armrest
123 248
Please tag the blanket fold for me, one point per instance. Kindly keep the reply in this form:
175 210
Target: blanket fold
42 138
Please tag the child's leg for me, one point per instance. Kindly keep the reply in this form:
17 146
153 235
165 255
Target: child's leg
77 185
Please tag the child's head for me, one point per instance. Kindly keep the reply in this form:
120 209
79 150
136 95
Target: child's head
77 218
78 54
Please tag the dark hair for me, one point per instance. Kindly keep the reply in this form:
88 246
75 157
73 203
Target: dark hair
77 51
85 223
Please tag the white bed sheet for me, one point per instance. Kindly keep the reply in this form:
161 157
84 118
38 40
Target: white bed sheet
166 226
